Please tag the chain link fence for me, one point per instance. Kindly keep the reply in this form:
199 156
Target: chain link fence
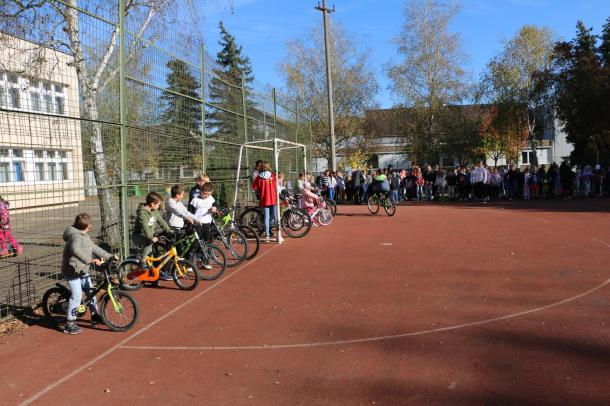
97 108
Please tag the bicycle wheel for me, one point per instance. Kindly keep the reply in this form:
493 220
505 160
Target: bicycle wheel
185 274
373 204
296 223
252 239
324 217
55 303
389 206
124 315
234 246
128 271
211 263
252 217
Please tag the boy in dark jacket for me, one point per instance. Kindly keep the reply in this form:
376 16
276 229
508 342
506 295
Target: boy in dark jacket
147 217
77 258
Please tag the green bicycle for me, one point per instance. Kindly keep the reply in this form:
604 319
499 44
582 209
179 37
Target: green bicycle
118 310
381 199
209 259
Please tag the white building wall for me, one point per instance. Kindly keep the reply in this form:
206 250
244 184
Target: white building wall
41 161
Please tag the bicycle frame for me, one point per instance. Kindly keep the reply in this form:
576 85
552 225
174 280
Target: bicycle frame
144 275
89 296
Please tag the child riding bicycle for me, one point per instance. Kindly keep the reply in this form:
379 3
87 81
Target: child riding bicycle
77 258
143 235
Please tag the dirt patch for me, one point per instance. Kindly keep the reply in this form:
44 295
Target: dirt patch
11 326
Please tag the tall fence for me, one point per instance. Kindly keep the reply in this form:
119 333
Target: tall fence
100 104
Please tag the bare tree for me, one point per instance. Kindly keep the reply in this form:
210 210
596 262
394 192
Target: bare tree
354 85
430 75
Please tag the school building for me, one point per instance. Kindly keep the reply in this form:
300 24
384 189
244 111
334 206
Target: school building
41 160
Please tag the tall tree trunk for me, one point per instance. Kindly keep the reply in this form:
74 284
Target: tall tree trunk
110 214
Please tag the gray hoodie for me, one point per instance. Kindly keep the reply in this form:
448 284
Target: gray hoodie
78 253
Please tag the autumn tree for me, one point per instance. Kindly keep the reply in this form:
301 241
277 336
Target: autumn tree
510 77
354 86
503 131
430 75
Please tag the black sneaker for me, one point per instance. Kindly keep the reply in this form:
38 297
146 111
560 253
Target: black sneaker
96 319
165 276
72 328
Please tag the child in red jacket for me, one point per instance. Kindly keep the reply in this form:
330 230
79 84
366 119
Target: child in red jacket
266 186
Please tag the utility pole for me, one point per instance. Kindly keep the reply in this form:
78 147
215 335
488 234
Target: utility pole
329 85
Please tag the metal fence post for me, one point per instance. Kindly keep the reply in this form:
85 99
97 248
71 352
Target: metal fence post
123 129
274 113
202 80
245 111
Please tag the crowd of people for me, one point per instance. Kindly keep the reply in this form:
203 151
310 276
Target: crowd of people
479 182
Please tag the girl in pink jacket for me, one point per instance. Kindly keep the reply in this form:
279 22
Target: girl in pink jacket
308 198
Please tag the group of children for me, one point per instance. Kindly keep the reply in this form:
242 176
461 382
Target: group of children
80 252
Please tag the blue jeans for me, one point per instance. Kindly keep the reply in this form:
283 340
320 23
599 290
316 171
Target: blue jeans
394 196
77 285
269 217
419 192
331 193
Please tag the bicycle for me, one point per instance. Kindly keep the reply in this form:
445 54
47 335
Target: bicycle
184 272
322 214
381 199
294 221
208 258
118 310
224 235
228 223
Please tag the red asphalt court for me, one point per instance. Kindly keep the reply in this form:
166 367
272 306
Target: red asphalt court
506 303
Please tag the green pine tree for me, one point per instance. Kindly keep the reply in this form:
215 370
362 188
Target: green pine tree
231 64
180 117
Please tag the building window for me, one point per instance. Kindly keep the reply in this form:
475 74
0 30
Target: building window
18 92
48 103
43 165
35 97
4 172
527 157
15 98
64 171
18 171
52 169
39 171
59 105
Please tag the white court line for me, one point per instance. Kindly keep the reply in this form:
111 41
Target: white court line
142 330
380 338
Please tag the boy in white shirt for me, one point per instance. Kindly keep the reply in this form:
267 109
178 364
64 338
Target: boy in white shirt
176 212
204 207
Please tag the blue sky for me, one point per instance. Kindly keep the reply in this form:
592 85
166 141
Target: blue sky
262 27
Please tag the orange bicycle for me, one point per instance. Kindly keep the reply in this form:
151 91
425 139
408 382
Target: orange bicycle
183 272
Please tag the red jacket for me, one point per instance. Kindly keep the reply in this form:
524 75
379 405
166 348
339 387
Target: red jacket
266 186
